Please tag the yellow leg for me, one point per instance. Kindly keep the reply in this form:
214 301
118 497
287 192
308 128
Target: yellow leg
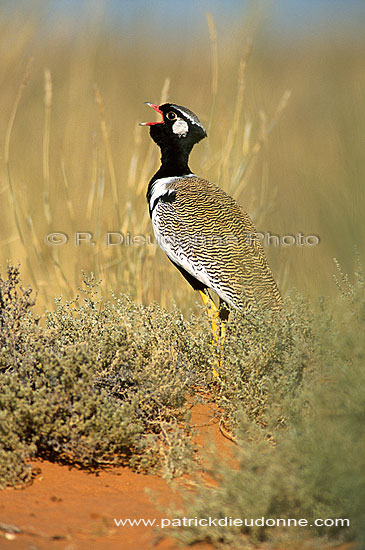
218 328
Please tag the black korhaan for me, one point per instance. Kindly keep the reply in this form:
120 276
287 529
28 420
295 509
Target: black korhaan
204 232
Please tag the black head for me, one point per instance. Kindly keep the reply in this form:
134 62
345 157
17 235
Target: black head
179 127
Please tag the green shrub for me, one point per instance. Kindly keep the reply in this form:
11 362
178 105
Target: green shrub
99 384
294 393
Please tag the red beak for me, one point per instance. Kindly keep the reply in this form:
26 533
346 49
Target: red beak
158 110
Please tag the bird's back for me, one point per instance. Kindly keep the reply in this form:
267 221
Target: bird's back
207 233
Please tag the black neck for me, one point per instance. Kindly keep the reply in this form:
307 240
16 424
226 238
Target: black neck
174 162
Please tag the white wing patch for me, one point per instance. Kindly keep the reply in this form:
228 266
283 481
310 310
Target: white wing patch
166 243
160 188
171 244
180 127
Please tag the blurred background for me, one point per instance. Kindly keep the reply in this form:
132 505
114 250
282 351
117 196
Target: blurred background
280 87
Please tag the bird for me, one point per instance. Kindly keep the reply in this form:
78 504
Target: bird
203 231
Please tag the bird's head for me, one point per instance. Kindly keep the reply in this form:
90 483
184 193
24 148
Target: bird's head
178 126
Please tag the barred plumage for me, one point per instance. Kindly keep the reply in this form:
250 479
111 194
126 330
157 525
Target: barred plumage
204 231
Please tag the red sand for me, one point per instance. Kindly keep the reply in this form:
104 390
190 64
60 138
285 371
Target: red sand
71 509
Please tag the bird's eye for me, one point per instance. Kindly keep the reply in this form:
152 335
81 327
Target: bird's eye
171 115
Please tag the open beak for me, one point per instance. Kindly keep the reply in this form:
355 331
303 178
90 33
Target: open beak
158 110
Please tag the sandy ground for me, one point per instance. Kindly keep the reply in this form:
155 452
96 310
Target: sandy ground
70 509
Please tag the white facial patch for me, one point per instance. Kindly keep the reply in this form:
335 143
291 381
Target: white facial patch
180 127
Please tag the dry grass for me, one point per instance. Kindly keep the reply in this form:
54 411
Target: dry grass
285 127
75 160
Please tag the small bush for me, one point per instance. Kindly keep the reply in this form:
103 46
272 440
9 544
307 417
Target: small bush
100 384
295 397
111 383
